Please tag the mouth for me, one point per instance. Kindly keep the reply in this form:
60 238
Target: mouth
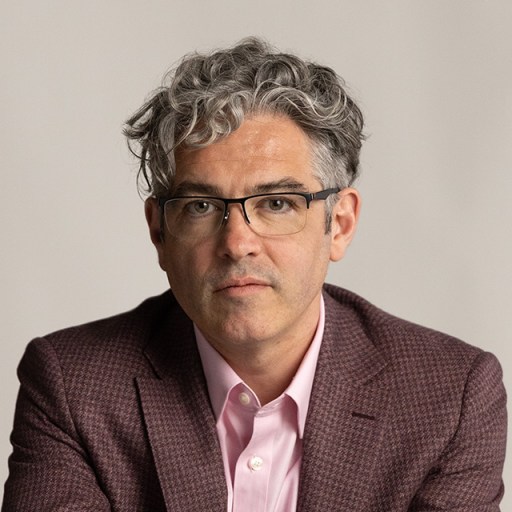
242 285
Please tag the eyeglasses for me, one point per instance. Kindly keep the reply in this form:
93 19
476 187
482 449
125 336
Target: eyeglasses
274 214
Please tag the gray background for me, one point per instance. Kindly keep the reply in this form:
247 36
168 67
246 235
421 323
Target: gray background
434 78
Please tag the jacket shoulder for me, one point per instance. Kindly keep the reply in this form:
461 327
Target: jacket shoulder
132 326
117 342
397 339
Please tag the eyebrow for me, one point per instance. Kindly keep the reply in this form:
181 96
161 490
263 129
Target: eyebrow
195 188
286 184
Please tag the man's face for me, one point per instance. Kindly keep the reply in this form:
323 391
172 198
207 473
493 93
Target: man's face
241 288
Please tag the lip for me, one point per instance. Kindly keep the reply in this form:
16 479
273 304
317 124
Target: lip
241 284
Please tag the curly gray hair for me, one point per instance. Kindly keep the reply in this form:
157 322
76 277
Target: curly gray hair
208 96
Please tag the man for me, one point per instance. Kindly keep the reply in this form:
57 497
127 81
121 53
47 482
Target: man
251 385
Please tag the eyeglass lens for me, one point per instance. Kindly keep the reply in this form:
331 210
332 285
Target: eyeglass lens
199 217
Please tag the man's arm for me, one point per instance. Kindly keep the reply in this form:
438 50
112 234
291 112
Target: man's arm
48 469
467 477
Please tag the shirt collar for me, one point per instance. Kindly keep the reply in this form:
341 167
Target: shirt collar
302 384
221 378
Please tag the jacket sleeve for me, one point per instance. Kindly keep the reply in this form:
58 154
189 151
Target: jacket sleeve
467 476
49 469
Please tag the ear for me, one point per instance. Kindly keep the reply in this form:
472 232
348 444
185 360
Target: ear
152 211
345 215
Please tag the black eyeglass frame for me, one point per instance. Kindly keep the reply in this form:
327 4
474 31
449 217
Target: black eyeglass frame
308 196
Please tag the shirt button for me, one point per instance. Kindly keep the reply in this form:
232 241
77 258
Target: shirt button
244 398
255 463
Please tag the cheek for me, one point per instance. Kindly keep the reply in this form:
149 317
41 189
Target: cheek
185 266
303 262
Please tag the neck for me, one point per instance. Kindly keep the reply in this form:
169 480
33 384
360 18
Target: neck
269 370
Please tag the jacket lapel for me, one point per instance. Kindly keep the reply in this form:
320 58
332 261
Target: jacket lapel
346 416
179 420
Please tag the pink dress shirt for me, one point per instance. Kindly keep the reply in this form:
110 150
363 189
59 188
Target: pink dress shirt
261 446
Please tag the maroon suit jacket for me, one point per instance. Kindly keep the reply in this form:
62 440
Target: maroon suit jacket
115 415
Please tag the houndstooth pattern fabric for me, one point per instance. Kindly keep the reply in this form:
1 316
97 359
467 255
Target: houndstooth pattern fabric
114 415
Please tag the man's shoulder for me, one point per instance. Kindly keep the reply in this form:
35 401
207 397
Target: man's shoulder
125 333
411 359
110 349
132 323
395 337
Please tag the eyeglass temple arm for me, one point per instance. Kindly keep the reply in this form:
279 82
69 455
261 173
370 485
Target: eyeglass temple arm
323 194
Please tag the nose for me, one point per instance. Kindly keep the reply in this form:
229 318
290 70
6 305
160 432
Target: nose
236 239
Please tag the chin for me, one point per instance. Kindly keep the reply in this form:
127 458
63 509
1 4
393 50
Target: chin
241 333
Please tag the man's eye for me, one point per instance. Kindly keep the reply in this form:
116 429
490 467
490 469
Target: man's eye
200 208
277 204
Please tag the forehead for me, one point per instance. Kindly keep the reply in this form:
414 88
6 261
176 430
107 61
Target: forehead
264 148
